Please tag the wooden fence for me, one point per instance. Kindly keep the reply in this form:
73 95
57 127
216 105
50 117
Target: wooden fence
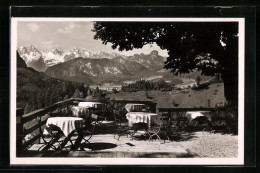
217 113
29 123
169 110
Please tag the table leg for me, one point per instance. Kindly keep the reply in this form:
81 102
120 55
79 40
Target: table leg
66 140
170 118
52 142
77 142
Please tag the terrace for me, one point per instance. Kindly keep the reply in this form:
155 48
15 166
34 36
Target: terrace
106 142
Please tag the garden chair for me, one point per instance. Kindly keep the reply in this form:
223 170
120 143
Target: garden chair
160 130
138 127
87 131
101 115
120 128
50 139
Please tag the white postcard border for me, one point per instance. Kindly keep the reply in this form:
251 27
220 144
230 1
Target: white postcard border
127 161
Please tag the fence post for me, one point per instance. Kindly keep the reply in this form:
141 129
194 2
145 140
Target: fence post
19 128
37 141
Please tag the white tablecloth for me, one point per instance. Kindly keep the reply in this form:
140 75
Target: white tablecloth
131 107
91 104
79 111
192 115
142 117
66 124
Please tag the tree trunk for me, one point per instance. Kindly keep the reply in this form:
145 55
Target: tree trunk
230 88
230 78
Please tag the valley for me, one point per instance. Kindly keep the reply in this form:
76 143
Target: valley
210 97
109 72
100 68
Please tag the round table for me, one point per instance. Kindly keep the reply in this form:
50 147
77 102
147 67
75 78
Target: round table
192 115
142 117
133 107
91 104
66 124
79 111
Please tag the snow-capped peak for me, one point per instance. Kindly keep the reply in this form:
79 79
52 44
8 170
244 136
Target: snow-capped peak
75 49
29 53
57 55
57 51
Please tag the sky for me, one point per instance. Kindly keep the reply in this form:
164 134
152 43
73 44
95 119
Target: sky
46 36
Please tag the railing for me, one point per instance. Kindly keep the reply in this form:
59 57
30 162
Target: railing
169 110
179 113
179 119
29 123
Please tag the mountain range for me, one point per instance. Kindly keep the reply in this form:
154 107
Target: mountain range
80 65
41 60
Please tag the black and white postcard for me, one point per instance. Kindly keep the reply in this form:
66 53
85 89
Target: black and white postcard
127 91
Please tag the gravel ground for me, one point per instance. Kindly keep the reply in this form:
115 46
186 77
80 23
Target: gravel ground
212 145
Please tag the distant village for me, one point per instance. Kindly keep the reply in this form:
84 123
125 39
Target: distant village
107 86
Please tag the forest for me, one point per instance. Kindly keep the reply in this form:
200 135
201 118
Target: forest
36 90
143 85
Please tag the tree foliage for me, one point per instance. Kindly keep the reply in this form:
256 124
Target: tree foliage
143 85
211 47
36 90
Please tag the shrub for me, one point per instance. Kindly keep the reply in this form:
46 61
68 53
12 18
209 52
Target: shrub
231 119
200 87
114 90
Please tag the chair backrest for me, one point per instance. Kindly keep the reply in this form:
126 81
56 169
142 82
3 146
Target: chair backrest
51 129
91 127
116 117
165 116
94 117
165 119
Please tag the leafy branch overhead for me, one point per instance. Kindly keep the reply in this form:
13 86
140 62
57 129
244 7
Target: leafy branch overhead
211 47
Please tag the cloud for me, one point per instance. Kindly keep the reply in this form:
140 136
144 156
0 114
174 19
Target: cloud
47 42
33 27
67 29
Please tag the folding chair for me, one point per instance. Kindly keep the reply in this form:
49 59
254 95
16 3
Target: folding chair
138 127
120 129
53 137
160 130
88 130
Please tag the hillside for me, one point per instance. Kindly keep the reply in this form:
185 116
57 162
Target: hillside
36 90
119 70
89 70
132 66
177 98
151 61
